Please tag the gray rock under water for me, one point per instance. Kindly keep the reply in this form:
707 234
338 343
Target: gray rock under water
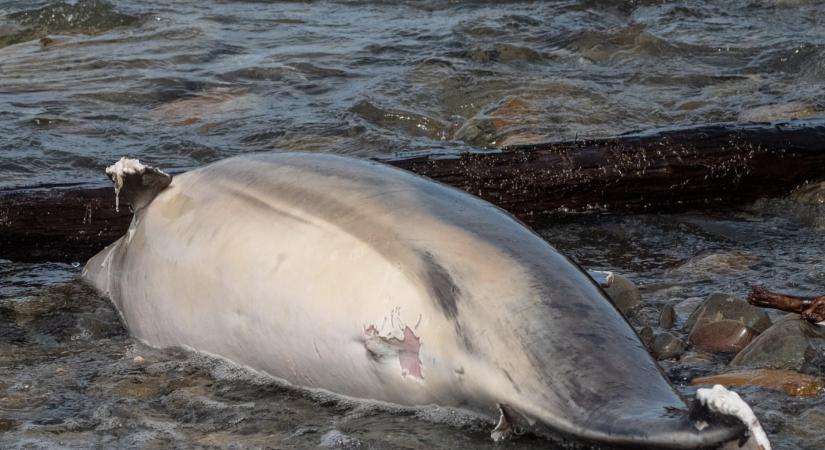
810 194
724 323
337 439
624 294
646 335
667 317
791 343
667 346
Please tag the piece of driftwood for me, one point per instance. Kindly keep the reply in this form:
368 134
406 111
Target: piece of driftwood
811 309
668 169
59 223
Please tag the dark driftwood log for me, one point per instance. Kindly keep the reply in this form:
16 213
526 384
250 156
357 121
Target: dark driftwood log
60 223
664 170
811 309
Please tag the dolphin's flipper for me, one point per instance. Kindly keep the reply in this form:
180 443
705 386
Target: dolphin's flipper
503 430
510 424
138 183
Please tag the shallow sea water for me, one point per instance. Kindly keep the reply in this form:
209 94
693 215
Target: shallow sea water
183 84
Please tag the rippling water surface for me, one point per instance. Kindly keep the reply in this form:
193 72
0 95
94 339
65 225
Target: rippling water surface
190 82
183 83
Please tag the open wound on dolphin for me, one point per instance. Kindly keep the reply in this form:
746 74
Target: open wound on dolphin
407 349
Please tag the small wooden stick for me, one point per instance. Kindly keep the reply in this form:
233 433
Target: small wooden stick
811 309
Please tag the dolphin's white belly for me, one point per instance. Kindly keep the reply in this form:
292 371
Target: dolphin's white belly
222 265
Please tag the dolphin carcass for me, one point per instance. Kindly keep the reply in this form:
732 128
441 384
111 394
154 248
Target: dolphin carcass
364 280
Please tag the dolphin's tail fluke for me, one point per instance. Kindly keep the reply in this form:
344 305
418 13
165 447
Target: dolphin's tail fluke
138 183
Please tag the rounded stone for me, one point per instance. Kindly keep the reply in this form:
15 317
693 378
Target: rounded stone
791 343
667 317
724 306
667 346
724 336
624 294
646 335
724 323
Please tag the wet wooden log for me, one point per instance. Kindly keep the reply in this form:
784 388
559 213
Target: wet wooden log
672 169
675 169
811 309
67 223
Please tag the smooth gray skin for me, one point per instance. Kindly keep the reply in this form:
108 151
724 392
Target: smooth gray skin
282 262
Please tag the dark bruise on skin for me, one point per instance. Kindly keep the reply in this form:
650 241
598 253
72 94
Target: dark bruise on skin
446 293
441 285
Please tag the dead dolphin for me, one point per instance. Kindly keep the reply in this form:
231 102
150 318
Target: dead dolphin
367 281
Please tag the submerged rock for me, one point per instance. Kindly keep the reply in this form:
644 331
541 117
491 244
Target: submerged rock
141 388
724 336
697 359
7 425
510 122
720 263
788 381
667 317
646 335
685 308
810 194
505 53
209 106
724 323
624 294
337 439
667 346
85 16
409 122
785 111
621 291
791 343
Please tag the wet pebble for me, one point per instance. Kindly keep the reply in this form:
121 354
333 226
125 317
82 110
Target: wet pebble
337 439
505 53
205 106
10 332
723 336
791 343
724 323
697 358
7 425
667 346
720 263
413 123
646 335
504 124
771 113
21 401
624 294
139 388
667 317
810 194
810 423
685 308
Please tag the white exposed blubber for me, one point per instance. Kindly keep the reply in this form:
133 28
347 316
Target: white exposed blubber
723 401
119 171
